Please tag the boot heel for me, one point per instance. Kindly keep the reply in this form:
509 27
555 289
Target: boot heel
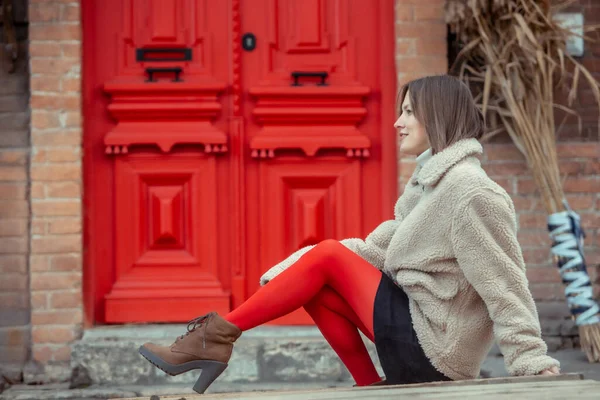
210 371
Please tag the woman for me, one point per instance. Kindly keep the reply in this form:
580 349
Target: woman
432 287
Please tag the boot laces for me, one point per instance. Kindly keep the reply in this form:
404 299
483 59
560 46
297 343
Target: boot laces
197 323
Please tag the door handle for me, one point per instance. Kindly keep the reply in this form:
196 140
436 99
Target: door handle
296 75
169 70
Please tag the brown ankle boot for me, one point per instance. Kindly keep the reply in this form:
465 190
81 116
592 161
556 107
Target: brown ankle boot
207 345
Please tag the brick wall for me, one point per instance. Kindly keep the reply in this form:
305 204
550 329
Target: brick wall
56 234
14 207
422 47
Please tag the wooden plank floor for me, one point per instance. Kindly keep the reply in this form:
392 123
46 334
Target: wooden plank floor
561 387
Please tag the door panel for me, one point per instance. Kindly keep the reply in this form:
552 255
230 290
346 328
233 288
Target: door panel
165 247
313 90
206 164
156 138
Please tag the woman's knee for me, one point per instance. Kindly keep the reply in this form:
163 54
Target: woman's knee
330 247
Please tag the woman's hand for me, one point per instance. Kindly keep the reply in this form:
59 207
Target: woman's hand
550 371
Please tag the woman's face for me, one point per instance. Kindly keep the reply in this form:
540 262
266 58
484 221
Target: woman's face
413 138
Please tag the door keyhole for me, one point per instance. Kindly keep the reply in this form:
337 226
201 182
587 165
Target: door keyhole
249 41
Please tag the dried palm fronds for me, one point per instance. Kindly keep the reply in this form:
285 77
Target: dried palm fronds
514 57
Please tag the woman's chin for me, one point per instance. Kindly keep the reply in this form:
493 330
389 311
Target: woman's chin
407 150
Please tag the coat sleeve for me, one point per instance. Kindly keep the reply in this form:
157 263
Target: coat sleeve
372 249
484 238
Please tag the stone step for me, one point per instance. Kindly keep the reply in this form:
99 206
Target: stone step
105 392
109 356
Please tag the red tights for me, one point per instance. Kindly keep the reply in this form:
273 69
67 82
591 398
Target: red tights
337 288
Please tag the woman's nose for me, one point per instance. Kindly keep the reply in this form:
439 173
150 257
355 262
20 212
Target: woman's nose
398 124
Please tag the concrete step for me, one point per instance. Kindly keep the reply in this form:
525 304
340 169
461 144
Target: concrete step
109 356
104 392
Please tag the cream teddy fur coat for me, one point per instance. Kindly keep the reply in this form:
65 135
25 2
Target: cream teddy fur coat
453 249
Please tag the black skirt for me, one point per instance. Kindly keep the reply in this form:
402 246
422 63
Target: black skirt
400 354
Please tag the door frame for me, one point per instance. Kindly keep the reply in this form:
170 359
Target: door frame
95 252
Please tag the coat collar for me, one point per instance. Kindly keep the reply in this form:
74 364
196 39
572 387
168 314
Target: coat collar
435 168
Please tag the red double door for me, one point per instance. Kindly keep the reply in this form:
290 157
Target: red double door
221 136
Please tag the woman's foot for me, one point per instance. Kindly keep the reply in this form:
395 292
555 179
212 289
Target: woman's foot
207 345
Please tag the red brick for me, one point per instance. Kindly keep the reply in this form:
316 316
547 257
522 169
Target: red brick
38 190
16 157
505 169
537 256
531 220
45 83
70 12
60 155
13 191
66 263
503 152
64 225
62 138
429 12
56 172
428 47
13 227
42 354
534 238
56 244
590 220
547 274
44 49
405 47
45 120
55 281
56 208
8 173
421 66
13 103
44 334
50 67
64 190
39 301
526 186
582 185
14 301
547 291
44 12
580 202
62 353
14 208
71 84
523 203
428 2
591 168
570 168
71 50
65 300
38 227
578 150
13 282
73 119
56 102
54 32
13 264
422 29
404 12
39 263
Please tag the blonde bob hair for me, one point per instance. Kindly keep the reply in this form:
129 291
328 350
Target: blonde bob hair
445 106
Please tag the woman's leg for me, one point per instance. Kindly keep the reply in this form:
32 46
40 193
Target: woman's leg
338 323
329 264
